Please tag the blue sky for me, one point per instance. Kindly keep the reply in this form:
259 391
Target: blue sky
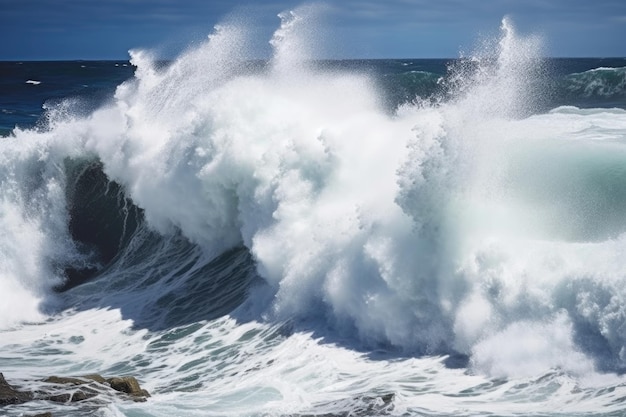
107 29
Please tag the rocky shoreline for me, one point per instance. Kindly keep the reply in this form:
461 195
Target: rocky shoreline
95 391
67 390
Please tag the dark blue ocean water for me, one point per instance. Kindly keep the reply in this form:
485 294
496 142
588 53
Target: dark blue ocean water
26 87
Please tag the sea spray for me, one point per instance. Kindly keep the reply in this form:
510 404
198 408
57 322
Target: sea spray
35 244
450 226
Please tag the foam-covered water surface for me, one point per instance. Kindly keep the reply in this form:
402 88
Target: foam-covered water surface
300 237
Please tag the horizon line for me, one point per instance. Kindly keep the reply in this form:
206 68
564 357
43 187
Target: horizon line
268 59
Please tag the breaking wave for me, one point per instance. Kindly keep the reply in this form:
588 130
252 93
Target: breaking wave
466 224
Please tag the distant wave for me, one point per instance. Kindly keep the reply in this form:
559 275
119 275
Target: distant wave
601 82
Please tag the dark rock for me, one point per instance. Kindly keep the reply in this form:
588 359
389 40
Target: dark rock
89 388
71 397
81 396
130 386
74 389
95 377
59 398
64 380
82 380
48 414
9 395
126 384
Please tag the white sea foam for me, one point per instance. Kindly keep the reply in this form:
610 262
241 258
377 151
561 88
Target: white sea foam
467 226
33 220
227 368
419 230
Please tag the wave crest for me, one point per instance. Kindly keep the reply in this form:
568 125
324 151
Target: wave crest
447 226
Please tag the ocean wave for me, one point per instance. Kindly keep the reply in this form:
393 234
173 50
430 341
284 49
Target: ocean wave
448 227
598 82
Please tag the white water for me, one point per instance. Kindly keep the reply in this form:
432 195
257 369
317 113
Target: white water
468 226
